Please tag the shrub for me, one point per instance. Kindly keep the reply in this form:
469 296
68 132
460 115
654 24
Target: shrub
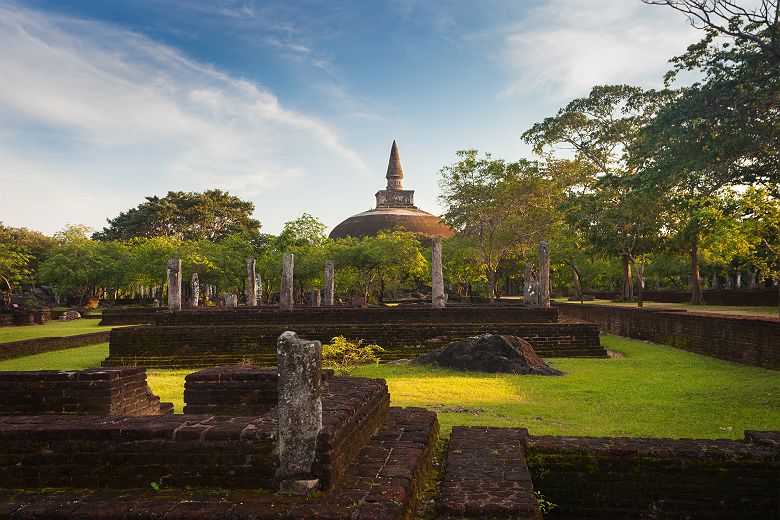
342 355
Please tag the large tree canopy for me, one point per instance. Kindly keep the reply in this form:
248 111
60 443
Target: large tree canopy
724 128
212 215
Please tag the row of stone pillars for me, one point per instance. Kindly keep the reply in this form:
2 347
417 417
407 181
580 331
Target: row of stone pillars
534 293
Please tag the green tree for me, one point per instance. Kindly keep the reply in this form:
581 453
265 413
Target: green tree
724 127
80 265
376 263
38 245
211 215
506 208
14 268
599 131
462 264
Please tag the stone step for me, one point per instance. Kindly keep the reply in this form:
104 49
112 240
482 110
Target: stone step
486 476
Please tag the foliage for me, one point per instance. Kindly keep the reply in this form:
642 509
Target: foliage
80 264
344 356
725 128
14 267
600 130
211 215
504 208
391 260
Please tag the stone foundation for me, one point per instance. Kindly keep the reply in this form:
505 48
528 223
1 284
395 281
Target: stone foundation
615 478
383 483
95 391
196 346
752 341
29 347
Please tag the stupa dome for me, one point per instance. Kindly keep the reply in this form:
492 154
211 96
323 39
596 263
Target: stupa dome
394 207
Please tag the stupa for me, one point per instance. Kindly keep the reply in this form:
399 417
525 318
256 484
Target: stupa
394 208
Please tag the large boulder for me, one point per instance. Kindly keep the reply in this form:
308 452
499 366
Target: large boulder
491 353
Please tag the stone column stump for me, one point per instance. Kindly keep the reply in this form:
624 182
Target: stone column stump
300 412
174 284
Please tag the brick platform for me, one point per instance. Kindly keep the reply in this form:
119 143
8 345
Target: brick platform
617 478
196 346
382 484
29 347
184 450
95 391
752 341
486 476
233 390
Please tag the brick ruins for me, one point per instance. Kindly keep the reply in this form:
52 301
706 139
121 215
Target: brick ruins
208 337
371 460
95 391
742 339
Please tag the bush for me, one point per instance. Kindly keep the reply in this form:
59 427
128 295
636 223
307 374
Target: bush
343 356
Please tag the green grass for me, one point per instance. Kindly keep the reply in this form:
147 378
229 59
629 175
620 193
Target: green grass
53 329
659 305
69 359
653 391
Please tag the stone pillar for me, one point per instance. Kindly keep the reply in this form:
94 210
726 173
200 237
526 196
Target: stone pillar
300 411
529 286
315 298
739 280
715 281
544 274
438 298
286 293
251 292
330 286
259 289
174 284
195 291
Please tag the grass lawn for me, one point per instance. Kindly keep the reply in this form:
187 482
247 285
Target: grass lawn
772 311
53 329
653 391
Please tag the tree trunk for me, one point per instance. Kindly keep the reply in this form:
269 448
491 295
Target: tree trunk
640 279
492 280
697 298
628 281
577 283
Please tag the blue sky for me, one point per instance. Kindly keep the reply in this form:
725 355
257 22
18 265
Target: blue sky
292 105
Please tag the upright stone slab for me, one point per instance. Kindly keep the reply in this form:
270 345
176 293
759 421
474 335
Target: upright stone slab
259 289
330 285
315 298
286 293
251 292
174 284
438 298
195 291
300 411
529 286
231 300
544 274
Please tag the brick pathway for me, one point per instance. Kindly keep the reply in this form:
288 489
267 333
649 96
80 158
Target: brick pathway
486 476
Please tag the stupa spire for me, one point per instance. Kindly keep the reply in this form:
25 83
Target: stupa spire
395 172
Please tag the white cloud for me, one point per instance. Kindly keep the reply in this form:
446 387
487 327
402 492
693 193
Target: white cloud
109 102
564 47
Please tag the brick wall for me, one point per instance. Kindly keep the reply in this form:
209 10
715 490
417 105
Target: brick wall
29 347
95 391
195 346
739 339
352 315
620 478
234 390
738 297
201 450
